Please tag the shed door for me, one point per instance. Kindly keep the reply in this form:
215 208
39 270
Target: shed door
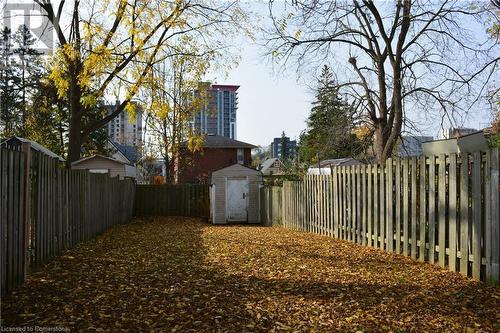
237 199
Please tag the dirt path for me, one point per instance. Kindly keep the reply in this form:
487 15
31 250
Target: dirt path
181 274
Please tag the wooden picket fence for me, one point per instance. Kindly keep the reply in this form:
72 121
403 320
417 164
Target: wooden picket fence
173 200
46 209
440 209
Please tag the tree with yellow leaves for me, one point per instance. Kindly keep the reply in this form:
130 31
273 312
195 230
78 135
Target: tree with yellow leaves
173 100
111 46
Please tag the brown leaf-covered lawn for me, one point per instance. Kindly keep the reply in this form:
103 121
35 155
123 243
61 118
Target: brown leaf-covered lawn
184 275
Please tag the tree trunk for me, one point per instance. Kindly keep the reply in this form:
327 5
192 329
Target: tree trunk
168 177
387 133
166 161
75 122
23 85
379 141
75 138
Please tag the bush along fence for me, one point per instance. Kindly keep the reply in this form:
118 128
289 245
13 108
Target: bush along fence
173 200
440 209
46 209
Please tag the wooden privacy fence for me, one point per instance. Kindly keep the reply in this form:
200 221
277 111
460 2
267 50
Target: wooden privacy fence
440 209
14 235
271 205
173 200
50 209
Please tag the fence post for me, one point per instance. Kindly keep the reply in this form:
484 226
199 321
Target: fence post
452 206
476 215
389 230
493 221
432 209
26 149
283 208
442 210
369 198
414 207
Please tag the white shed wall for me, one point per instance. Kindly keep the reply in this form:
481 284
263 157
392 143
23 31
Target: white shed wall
219 193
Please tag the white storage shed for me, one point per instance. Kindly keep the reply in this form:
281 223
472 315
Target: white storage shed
235 195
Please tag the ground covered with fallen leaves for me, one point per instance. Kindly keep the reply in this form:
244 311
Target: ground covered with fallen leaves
184 275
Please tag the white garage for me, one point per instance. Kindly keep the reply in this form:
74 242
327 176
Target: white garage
234 195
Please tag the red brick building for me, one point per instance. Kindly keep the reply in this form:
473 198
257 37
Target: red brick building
217 152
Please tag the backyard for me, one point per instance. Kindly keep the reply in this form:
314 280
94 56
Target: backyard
182 274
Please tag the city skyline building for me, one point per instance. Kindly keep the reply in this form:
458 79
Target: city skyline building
218 116
283 147
125 128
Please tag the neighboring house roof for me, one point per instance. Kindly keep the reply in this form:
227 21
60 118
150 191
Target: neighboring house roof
337 162
269 163
34 145
236 166
129 152
476 141
217 141
97 156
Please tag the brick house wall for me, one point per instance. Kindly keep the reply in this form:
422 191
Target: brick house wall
198 166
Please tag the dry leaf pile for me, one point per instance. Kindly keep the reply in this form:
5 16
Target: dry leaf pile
183 275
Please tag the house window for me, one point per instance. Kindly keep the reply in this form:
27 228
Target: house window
240 156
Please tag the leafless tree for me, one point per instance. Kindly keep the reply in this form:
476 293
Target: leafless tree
401 56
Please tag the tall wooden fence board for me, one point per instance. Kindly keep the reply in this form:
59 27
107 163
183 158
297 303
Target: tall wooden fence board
12 227
173 200
440 209
64 207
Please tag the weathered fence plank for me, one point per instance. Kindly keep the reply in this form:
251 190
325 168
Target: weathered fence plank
376 194
432 209
389 229
406 207
382 206
414 198
493 256
172 200
441 209
423 205
46 209
476 214
398 214
364 205
359 201
369 198
452 213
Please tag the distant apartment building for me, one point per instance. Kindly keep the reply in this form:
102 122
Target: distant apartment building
218 115
455 132
283 148
412 145
124 128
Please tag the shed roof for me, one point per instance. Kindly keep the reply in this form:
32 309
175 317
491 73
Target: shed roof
217 141
97 156
34 145
236 166
338 162
130 152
